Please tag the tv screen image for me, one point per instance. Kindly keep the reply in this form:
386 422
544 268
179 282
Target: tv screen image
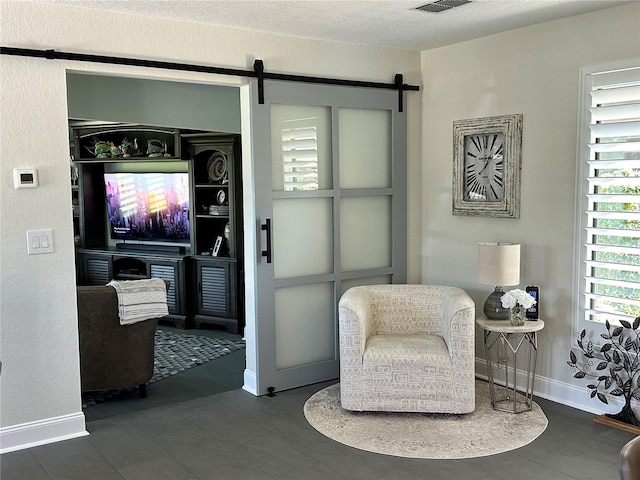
148 206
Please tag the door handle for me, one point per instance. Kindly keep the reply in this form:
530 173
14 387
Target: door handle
266 226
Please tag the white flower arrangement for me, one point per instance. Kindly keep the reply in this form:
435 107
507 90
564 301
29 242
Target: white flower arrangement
517 297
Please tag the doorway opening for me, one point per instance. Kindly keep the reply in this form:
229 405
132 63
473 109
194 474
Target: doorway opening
132 131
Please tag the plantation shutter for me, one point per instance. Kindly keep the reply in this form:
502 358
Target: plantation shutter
300 156
611 222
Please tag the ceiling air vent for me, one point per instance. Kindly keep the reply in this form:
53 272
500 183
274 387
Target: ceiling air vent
442 5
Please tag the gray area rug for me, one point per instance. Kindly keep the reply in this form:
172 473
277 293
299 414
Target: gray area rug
174 353
420 435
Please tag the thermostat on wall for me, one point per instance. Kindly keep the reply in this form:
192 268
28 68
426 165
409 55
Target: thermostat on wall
25 177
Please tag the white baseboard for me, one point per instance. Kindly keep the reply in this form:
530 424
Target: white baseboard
250 382
41 432
561 392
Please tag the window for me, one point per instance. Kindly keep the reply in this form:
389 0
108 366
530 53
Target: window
300 155
608 235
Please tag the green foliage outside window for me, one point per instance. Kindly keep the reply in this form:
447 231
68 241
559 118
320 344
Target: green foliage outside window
631 293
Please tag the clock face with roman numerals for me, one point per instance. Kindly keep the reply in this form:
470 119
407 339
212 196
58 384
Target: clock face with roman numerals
483 167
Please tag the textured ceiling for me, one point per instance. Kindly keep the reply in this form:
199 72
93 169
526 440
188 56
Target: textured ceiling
381 23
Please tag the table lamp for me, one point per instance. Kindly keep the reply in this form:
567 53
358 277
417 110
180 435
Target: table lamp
498 265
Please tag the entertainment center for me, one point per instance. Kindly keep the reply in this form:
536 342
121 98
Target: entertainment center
160 202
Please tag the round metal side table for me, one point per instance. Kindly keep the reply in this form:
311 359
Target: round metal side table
502 342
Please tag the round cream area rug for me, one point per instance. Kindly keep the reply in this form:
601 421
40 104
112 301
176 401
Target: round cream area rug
421 435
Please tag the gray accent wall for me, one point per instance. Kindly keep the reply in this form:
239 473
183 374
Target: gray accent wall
154 102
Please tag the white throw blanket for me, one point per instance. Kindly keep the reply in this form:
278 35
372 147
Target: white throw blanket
140 300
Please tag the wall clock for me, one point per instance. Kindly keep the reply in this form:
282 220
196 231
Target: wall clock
486 166
221 197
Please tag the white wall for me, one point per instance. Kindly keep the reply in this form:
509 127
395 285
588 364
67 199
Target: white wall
533 71
39 391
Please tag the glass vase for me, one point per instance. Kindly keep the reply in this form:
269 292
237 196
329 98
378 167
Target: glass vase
517 315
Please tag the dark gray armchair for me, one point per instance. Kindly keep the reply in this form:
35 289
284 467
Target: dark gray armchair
112 356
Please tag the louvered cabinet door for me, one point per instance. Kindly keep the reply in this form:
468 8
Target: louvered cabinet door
167 272
213 289
97 269
215 292
172 272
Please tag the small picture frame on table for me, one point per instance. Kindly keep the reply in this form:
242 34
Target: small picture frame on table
216 247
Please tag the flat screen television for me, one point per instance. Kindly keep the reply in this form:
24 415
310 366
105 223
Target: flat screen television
148 206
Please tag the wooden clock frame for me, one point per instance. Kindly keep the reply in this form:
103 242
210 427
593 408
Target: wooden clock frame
511 127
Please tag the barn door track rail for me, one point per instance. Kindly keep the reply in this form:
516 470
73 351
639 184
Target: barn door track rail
257 72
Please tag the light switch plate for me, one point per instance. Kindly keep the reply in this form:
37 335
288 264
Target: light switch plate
39 241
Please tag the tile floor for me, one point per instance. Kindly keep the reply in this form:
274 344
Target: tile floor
203 426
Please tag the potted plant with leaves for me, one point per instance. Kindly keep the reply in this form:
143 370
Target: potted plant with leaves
618 369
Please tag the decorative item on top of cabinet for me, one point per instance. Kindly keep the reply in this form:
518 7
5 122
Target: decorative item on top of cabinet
124 142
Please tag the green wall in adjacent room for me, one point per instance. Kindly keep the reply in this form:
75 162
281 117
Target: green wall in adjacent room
154 102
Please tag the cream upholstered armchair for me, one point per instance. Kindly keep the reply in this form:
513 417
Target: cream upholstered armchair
407 348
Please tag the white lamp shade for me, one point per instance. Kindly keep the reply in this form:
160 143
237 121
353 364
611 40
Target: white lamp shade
499 264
